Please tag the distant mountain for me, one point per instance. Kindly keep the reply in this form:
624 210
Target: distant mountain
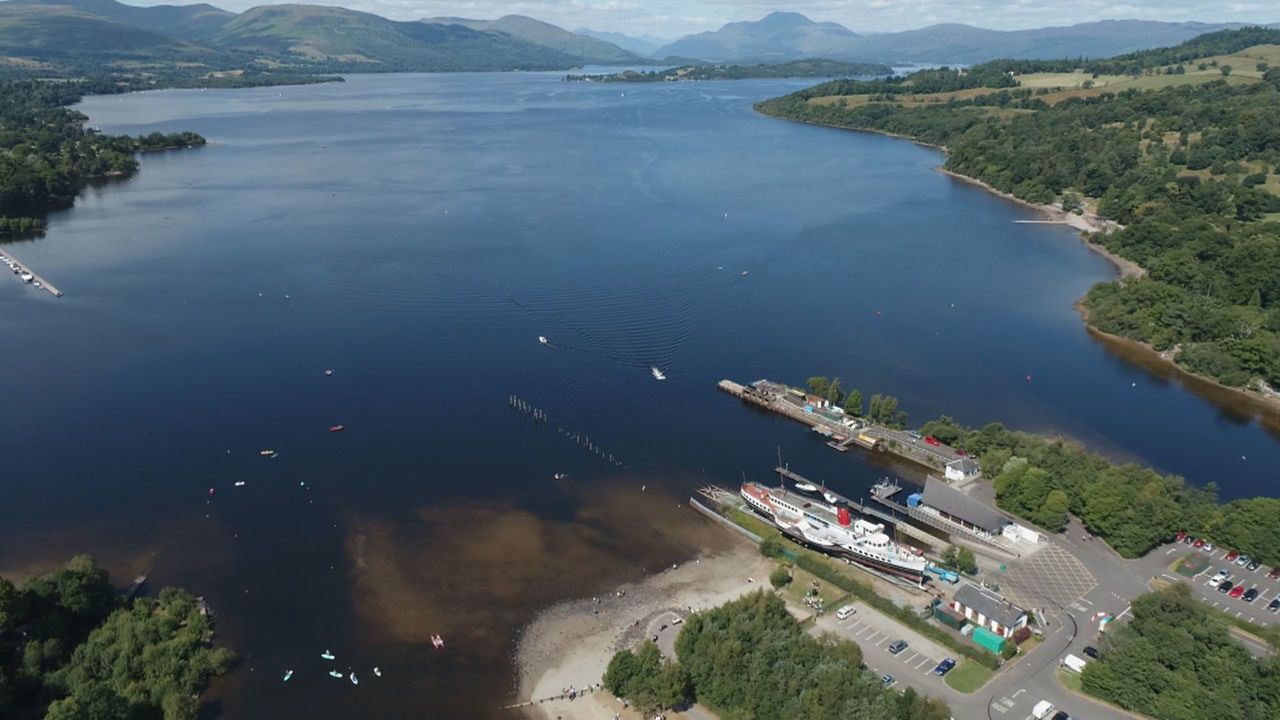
586 49
965 44
32 30
788 36
190 22
777 36
643 45
330 35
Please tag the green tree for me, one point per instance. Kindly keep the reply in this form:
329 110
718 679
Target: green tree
966 562
819 385
833 394
853 402
779 577
1225 70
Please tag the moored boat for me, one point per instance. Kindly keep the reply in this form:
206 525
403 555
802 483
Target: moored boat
657 374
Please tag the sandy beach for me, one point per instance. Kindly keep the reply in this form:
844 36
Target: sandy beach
570 644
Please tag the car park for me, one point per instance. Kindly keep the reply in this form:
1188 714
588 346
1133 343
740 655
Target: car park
1236 591
897 646
944 667
1226 586
1250 595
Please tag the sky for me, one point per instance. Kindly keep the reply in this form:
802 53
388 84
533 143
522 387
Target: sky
674 18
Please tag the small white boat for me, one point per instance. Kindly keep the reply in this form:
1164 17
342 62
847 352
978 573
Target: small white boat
239 483
288 674
353 679
437 641
376 671
542 339
327 655
806 487
335 674
328 372
657 374
830 497
266 453
744 273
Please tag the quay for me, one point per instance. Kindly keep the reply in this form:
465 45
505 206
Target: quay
842 431
19 269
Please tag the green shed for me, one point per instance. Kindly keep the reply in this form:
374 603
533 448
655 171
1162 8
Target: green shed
949 617
988 639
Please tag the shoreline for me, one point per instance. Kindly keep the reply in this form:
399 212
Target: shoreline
569 644
1264 408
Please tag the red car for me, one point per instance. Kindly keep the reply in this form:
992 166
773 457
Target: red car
1237 591
961 453
1274 574
1231 556
1181 535
932 440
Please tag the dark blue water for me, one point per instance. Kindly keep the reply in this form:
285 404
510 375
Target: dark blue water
417 234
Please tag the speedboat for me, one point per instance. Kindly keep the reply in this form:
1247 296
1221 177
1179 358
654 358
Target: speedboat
831 498
335 674
376 671
239 483
288 674
327 655
806 487
437 641
542 339
337 428
353 679
657 374
265 453
328 371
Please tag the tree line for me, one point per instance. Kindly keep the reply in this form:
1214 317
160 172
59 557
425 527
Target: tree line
1188 170
1133 508
71 649
751 658
1175 660
879 409
47 154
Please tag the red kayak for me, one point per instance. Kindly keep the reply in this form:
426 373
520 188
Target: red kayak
337 428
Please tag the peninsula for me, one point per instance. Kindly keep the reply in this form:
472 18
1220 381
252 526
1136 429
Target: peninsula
1161 148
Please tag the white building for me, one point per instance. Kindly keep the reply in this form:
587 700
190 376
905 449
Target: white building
963 469
986 609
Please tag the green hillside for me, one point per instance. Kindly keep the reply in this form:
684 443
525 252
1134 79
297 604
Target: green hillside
546 35
55 31
190 22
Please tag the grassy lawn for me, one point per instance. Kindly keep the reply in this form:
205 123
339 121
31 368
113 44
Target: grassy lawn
802 581
968 676
1069 680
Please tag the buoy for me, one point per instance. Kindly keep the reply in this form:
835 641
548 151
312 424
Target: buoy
1028 378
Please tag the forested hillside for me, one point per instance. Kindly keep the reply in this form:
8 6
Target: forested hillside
70 649
47 154
1184 153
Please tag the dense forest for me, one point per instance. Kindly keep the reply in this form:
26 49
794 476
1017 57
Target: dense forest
71 649
750 659
1132 508
47 154
812 68
1175 660
1189 170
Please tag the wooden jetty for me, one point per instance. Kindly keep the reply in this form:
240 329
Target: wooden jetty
35 278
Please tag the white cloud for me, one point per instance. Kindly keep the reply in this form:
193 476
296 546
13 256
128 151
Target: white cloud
672 18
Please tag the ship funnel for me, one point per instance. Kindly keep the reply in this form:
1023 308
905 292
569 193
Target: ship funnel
842 515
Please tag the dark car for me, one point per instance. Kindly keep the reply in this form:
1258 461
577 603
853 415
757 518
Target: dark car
1254 564
897 646
1061 715
1275 604
944 667
1091 651
1226 586
1250 595
1274 574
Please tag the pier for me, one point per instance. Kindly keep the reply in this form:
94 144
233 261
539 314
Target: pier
893 521
842 431
36 280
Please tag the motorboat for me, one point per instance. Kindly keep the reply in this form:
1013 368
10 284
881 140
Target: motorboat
830 496
657 374
806 487
542 339
376 671
437 641
265 453
328 372
337 428
335 674
239 483
327 655
288 674
353 679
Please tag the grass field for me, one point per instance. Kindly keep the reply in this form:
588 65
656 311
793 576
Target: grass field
1069 680
968 677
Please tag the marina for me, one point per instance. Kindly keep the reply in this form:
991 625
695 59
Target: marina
26 275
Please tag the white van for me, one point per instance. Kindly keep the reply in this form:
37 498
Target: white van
845 612
1073 663
1042 710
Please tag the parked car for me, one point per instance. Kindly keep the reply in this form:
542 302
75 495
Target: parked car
1274 574
961 453
915 435
1236 591
897 646
1207 547
1232 555
887 681
1254 564
1197 542
1060 715
932 440
1182 535
944 667
845 612
1250 595
1242 561
1091 651
1225 586
1218 577
1275 604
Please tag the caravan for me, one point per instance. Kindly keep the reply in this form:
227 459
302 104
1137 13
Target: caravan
1074 664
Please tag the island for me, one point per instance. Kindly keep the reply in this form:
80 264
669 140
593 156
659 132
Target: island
1159 155
812 68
